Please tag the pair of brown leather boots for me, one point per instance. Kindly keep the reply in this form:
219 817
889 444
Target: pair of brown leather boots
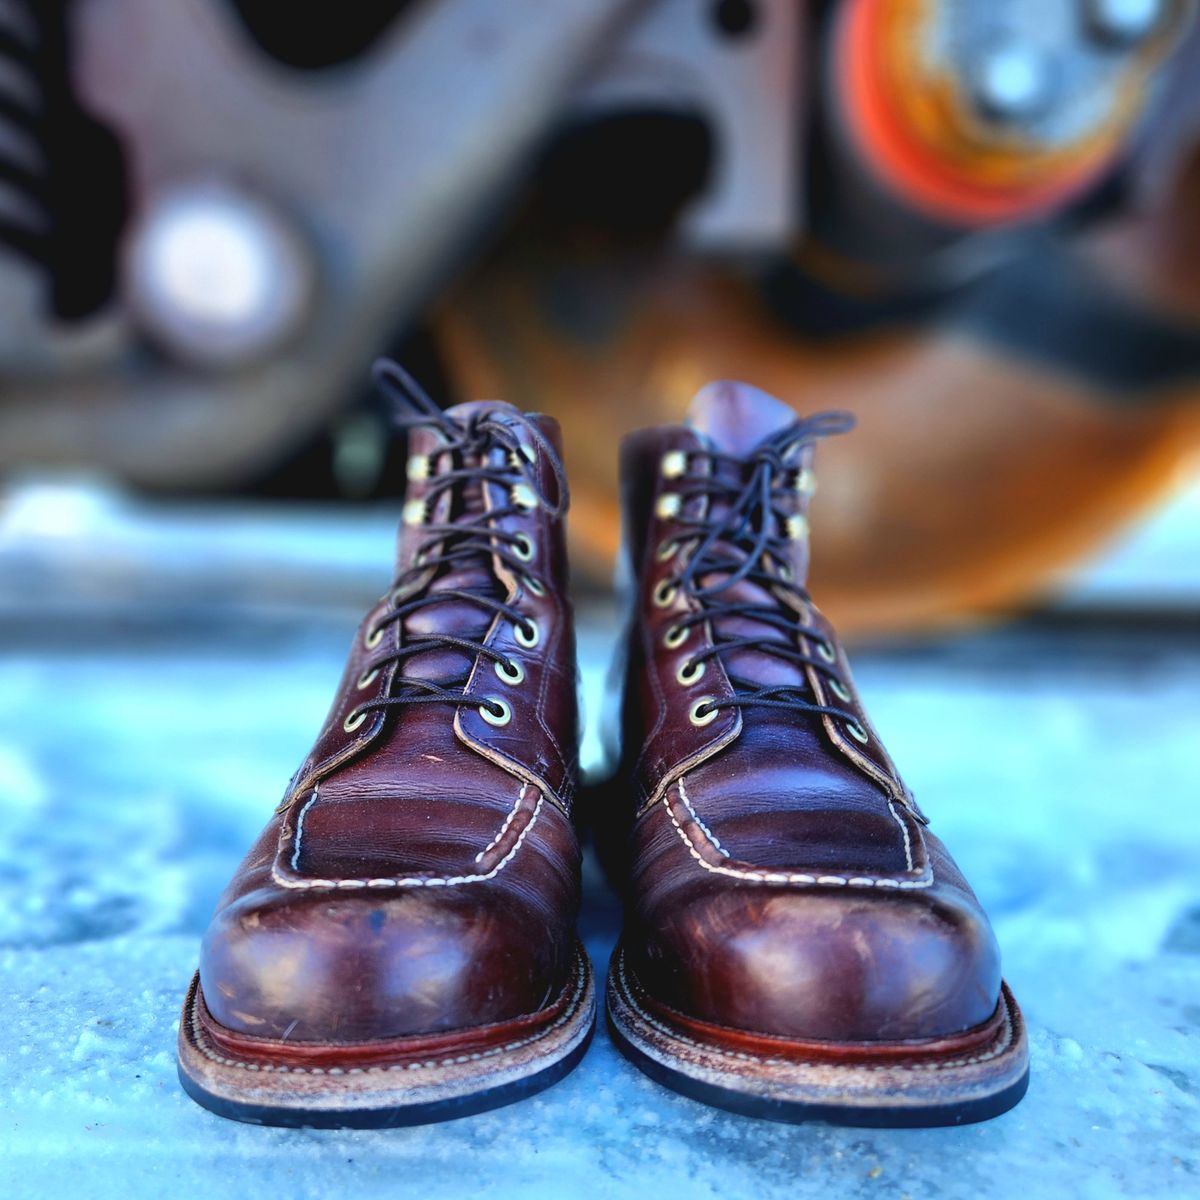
399 946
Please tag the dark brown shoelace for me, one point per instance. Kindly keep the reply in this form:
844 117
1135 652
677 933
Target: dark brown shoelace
465 540
740 544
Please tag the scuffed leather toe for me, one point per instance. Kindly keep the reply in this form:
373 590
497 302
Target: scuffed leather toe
325 968
812 965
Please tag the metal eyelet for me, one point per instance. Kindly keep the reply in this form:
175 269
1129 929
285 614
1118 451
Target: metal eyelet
374 637
517 674
417 468
827 652
523 496
857 732
667 505
353 721
806 482
664 593
695 716
667 549
786 572
535 586
365 681
689 672
522 547
675 636
839 689
673 464
413 512
797 527
527 633
492 718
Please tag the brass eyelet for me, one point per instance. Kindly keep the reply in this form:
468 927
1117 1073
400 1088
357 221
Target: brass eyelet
373 637
675 636
535 586
667 549
414 512
353 721
527 633
501 718
523 496
857 732
689 672
516 676
667 506
695 716
523 547
417 468
365 681
673 464
664 593
827 652
840 690
797 527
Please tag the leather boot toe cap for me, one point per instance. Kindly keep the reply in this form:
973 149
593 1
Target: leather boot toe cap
321 967
837 966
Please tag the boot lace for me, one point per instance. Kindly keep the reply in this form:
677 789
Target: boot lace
749 542
464 540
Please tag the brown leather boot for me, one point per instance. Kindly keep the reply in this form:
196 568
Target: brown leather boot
399 945
798 944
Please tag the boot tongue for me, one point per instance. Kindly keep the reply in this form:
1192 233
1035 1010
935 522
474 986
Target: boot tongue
735 417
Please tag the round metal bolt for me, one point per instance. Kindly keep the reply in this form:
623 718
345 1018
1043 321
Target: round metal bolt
1125 22
1011 82
217 275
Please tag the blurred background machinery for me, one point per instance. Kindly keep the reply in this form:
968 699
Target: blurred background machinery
976 223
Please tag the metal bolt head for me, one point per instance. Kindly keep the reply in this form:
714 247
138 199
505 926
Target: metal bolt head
216 275
1125 22
1011 82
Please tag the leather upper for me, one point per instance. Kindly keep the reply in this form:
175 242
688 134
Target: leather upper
781 878
422 871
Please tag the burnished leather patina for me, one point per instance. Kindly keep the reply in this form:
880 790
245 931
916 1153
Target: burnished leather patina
787 902
405 922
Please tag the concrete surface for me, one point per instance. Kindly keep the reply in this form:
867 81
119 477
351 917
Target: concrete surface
142 747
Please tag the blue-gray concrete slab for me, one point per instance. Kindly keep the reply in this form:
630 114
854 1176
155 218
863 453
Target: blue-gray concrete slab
140 752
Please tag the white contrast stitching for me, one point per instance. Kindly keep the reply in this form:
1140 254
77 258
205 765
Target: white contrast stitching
942 1064
205 1047
410 880
712 837
763 876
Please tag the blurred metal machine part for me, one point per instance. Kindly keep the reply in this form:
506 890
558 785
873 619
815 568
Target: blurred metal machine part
288 216
217 276
385 168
